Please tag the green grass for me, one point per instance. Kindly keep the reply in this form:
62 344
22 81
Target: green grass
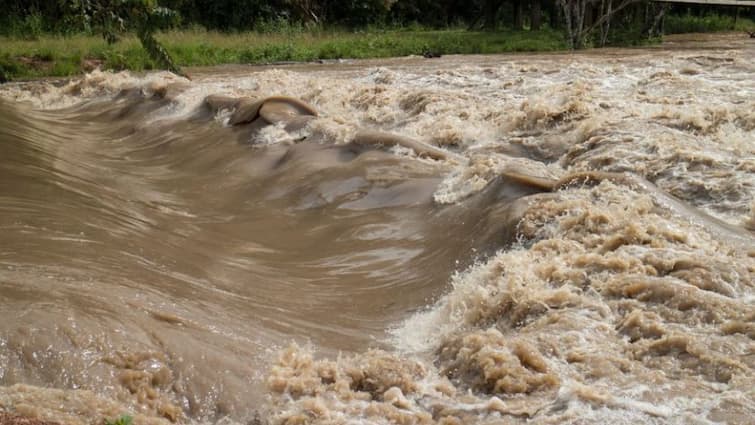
709 23
63 56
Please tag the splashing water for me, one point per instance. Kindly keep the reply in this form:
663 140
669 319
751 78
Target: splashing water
495 239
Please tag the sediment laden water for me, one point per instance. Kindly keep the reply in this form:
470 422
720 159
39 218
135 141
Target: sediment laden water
548 238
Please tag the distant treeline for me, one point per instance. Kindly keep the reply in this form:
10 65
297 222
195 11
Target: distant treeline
51 16
245 15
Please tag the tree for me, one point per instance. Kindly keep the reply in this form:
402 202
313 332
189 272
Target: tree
518 9
112 18
578 28
490 11
307 10
536 15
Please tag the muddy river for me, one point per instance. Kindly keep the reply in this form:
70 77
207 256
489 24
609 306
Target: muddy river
550 238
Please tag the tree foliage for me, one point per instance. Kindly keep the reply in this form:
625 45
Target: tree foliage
112 18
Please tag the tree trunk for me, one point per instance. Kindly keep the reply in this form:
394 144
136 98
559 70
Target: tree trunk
518 15
537 16
606 8
555 19
656 29
491 10
589 18
577 26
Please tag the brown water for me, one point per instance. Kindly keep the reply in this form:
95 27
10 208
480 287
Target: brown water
156 260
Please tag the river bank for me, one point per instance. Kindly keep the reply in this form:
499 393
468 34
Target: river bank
56 56
51 55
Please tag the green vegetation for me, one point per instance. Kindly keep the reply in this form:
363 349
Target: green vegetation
66 37
111 18
63 56
123 420
678 24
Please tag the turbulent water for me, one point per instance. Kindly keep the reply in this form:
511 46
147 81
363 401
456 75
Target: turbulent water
563 238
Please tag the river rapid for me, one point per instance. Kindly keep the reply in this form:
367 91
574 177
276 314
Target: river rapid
550 238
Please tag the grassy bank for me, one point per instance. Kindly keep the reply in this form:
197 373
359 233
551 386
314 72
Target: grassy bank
63 56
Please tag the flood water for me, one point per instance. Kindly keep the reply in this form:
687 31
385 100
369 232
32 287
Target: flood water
564 238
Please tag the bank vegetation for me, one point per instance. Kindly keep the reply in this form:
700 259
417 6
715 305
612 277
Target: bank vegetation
66 37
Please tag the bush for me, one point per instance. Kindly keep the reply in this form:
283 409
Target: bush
8 68
689 23
29 27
